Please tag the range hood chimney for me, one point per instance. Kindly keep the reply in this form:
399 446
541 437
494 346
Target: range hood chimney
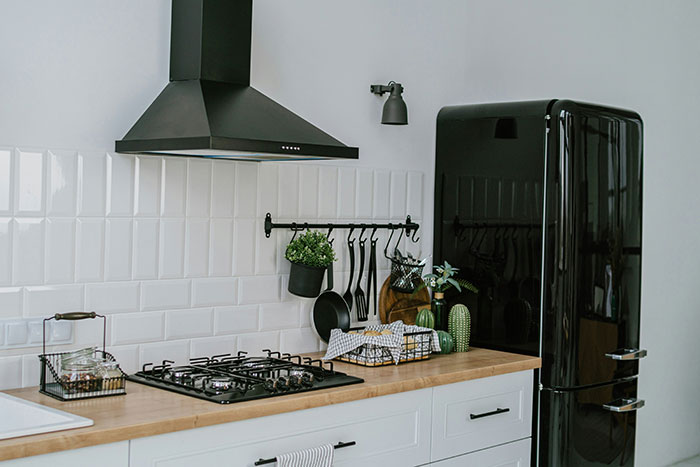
209 108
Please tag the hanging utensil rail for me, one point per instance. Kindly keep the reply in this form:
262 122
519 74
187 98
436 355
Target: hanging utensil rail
408 226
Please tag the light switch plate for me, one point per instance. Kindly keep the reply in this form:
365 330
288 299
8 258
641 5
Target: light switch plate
36 335
61 331
28 332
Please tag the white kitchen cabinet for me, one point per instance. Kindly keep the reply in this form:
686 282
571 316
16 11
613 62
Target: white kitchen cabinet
104 455
390 430
477 414
515 454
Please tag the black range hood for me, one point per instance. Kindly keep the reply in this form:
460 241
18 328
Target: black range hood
209 108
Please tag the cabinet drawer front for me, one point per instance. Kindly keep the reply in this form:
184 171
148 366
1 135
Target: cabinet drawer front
480 413
515 454
389 431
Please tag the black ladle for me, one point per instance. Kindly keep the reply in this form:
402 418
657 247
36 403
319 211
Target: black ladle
330 310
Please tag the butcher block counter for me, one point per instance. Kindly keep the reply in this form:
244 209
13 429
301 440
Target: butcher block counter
146 411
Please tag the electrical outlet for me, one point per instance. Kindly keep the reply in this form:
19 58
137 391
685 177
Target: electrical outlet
29 332
61 331
36 334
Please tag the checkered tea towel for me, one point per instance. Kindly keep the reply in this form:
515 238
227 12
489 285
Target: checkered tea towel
341 342
321 456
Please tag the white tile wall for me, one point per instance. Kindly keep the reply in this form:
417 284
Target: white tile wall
171 250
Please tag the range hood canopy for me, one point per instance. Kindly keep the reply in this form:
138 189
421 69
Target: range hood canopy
209 108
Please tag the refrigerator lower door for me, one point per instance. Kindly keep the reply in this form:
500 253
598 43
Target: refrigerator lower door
589 427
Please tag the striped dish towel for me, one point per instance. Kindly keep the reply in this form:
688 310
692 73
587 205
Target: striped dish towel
321 456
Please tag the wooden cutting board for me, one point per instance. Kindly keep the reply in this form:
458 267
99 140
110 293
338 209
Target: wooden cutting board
389 299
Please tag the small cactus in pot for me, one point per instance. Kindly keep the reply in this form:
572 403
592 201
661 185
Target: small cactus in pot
459 327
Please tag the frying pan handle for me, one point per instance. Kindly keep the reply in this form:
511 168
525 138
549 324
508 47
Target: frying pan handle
329 282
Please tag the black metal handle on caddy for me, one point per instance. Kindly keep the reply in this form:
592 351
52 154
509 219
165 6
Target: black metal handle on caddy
488 414
272 460
75 316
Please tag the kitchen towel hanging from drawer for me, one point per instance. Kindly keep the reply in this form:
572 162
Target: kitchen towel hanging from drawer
320 456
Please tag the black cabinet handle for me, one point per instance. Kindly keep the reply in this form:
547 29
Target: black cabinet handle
473 416
274 459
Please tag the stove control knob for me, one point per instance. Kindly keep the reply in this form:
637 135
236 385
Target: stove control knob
282 383
270 385
307 379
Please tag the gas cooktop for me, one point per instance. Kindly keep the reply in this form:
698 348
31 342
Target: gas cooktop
235 378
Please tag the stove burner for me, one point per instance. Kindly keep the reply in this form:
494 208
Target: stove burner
226 378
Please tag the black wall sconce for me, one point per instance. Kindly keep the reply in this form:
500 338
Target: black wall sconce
395 111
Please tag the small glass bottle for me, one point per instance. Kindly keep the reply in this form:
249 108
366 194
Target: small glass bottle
438 306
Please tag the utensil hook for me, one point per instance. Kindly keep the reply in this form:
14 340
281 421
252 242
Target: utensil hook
351 241
399 238
415 239
295 230
362 233
388 242
371 237
328 236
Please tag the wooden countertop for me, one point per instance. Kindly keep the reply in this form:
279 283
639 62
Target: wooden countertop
147 411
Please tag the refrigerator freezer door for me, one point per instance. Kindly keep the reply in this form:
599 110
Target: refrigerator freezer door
589 427
592 245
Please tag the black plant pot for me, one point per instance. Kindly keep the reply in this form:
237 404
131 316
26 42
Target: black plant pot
305 281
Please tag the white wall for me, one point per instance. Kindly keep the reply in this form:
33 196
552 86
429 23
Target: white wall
76 75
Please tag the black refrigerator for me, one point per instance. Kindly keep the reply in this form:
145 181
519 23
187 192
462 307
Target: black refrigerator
540 204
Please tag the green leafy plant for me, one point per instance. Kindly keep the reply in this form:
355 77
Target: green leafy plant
312 248
443 280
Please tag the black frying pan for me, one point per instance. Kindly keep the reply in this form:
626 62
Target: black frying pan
330 310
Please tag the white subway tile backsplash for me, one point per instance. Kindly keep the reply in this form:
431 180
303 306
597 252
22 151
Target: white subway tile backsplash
244 239
10 372
414 203
182 324
255 343
147 188
62 187
265 250
382 179
268 188
208 346
29 183
35 332
221 247
118 249
60 251
297 341
190 229
223 180
174 187
279 316
363 193
165 294
398 195
198 188
328 192
90 250
31 370
246 187
6 227
146 248
308 192
346 192
236 319
177 351
6 185
10 302
214 291
28 251
92 193
258 289
51 299
288 197
120 184
172 248
112 297
197 248
132 328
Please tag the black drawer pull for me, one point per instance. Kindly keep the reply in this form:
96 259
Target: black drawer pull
274 459
474 416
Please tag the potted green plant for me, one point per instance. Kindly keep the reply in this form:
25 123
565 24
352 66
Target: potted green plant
438 283
310 254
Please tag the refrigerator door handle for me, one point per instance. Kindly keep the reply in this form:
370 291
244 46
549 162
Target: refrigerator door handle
627 354
624 405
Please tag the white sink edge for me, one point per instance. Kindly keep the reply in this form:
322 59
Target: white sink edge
74 421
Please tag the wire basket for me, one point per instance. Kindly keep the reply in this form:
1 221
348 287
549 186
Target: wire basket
78 386
405 277
416 346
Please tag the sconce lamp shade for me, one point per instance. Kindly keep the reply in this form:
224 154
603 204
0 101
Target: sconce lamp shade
395 111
